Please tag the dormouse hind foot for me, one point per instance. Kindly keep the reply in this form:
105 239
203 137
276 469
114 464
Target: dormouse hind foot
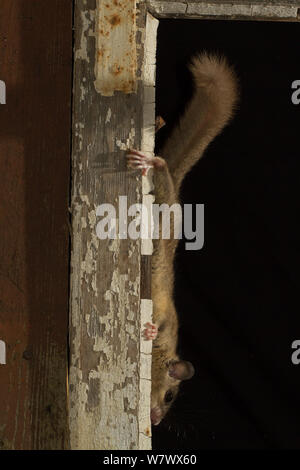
150 332
139 161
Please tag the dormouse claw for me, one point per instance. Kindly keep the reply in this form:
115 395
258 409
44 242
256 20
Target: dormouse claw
139 161
150 332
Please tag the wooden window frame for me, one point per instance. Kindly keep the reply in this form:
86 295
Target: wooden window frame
110 300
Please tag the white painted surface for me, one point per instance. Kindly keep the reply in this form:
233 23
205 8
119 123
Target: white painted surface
110 373
148 132
2 352
145 378
116 55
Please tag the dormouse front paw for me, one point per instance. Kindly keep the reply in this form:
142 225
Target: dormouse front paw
150 332
138 161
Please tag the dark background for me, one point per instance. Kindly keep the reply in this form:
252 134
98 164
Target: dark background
238 297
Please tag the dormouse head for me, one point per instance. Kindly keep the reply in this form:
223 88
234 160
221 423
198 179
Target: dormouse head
165 386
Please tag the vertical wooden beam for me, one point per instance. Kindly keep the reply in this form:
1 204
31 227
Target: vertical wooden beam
109 376
36 66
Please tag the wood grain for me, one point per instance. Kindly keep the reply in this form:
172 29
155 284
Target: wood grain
36 65
105 317
219 9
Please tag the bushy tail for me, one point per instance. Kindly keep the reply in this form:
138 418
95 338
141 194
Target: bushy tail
210 109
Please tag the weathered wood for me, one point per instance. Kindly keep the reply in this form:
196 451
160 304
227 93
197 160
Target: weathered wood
274 10
115 64
236 2
36 66
145 276
109 362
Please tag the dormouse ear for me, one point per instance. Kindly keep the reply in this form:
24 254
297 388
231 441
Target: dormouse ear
181 370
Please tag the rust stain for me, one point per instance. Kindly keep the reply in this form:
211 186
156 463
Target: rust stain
147 431
116 30
115 20
116 69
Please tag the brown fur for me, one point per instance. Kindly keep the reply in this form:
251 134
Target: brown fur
206 115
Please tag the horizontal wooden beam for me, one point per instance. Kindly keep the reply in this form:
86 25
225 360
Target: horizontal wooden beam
272 11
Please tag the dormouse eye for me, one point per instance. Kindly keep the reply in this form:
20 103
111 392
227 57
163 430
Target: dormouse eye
169 396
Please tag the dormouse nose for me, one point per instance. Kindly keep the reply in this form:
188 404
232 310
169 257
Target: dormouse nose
156 415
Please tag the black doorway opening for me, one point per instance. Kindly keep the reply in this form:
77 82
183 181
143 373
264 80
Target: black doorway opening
237 298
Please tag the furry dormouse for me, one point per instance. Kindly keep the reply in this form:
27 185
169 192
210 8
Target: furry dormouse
209 110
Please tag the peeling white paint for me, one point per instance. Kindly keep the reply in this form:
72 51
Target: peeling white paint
115 385
121 145
129 141
145 378
110 375
148 133
84 198
108 116
167 8
79 127
83 92
146 243
89 269
82 52
114 245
